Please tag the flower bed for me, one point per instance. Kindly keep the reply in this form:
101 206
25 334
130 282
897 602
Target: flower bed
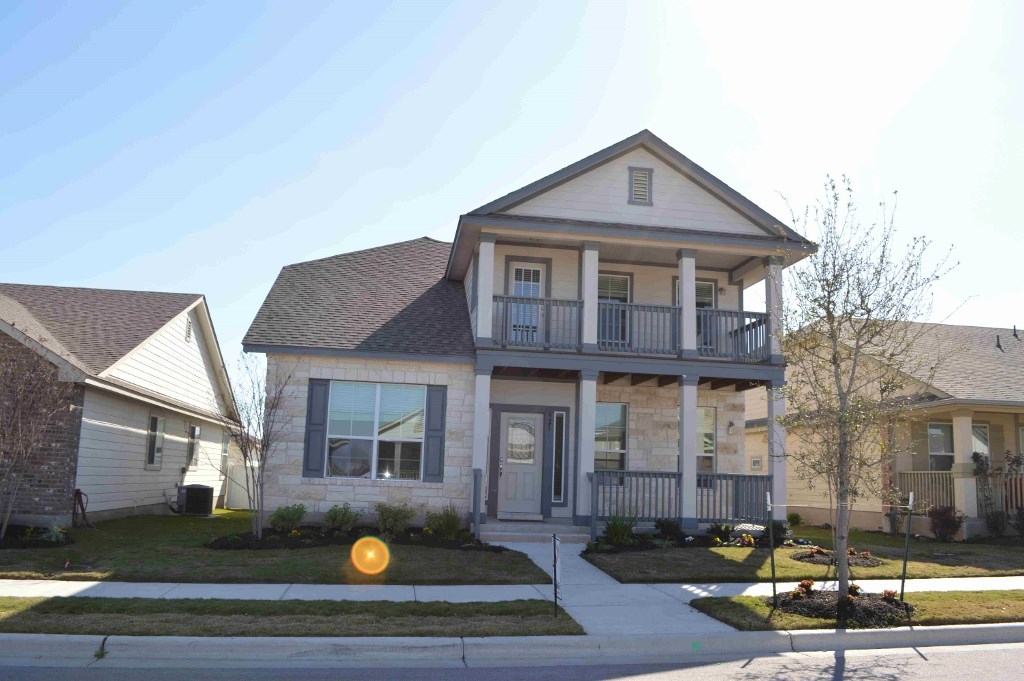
309 537
820 556
26 537
855 610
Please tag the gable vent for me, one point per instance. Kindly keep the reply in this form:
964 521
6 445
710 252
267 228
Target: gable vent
640 186
188 329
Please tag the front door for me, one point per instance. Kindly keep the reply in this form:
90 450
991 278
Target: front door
520 465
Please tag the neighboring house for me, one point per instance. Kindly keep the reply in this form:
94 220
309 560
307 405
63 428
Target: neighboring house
151 400
974 402
590 321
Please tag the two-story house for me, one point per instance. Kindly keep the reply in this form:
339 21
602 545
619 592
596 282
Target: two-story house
579 350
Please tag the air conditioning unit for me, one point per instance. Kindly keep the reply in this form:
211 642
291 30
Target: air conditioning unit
195 500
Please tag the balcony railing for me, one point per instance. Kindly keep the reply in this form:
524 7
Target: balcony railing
537 322
733 498
637 328
930 488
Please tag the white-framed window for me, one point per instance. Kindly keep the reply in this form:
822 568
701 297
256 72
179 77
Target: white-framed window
611 437
225 443
755 463
706 293
561 446
375 430
707 445
526 281
979 439
192 446
155 442
940 446
641 190
613 320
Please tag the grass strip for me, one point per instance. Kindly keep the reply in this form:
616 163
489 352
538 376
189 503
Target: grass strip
932 608
200 617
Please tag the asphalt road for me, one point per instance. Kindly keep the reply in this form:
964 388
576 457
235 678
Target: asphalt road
933 664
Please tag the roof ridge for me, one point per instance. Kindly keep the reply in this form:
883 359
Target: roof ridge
365 251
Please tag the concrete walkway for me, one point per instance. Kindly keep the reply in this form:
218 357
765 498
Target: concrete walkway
600 604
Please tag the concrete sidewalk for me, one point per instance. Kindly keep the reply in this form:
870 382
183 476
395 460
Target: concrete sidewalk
601 605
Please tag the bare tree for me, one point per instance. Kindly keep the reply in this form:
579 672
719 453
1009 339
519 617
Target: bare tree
262 425
35 405
850 351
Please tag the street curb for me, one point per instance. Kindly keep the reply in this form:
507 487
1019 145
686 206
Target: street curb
187 651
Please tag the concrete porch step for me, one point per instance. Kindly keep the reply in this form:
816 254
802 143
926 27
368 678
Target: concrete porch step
537 538
532 532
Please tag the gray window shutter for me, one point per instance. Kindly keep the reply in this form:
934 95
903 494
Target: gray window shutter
316 429
433 437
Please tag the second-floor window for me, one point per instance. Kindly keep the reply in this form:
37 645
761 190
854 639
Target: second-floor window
940 446
613 319
526 281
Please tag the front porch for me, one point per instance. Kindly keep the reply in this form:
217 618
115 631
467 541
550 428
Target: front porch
577 446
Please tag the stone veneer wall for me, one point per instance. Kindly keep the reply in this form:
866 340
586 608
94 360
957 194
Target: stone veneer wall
653 437
284 481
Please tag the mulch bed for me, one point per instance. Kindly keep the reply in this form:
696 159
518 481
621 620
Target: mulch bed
868 611
16 539
648 543
822 557
310 537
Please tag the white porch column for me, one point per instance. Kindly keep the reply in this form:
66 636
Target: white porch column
688 447
777 449
773 303
485 290
481 418
588 287
965 488
687 302
585 437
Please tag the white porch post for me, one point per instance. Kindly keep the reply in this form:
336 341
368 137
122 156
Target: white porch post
687 302
585 437
481 418
688 447
777 449
485 290
588 286
965 488
773 303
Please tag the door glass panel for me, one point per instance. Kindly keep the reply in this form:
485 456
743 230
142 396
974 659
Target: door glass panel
521 441
613 318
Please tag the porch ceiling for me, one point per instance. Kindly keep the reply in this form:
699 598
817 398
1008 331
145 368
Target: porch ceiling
624 378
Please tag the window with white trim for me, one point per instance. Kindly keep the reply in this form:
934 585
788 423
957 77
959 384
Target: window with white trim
613 320
940 446
707 446
192 447
375 430
225 443
155 442
755 463
610 437
979 439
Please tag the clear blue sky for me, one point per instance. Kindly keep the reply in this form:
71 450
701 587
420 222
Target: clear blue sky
200 147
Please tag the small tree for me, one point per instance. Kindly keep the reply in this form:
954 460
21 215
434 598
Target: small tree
850 351
261 426
34 407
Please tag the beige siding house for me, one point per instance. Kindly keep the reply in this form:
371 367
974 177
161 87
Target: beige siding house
580 350
153 399
974 403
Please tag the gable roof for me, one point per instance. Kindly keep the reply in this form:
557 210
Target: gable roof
389 299
971 366
94 327
652 143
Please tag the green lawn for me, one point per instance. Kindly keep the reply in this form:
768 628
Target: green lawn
191 617
750 613
735 564
170 549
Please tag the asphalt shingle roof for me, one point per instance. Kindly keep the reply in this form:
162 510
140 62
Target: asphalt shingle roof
392 298
971 367
94 327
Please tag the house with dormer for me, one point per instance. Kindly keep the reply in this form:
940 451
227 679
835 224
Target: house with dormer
580 350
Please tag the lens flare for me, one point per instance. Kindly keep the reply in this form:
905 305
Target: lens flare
370 556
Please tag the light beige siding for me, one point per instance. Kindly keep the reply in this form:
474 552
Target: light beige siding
112 454
602 195
174 364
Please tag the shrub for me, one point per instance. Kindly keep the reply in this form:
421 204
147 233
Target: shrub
55 534
447 522
794 519
393 519
669 529
340 519
890 595
806 586
945 522
287 518
1017 521
854 589
618 530
721 531
780 533
995 521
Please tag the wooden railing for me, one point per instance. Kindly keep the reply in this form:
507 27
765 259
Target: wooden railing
644 495
644 329
733 498
1007 491
930 488
733 334
537 322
